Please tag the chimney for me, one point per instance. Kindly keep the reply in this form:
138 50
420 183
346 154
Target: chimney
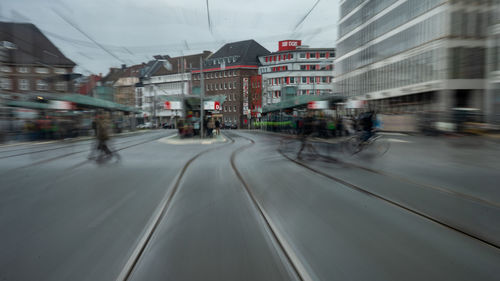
124 66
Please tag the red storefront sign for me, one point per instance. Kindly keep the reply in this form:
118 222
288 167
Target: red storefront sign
289 45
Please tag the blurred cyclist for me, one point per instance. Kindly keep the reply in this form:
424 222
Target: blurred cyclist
306 132
366 121
102 137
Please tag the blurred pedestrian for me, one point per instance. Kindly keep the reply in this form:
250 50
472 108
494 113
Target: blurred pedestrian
217 127
307 131
210 127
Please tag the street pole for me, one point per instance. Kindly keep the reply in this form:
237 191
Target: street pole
154 108
202 94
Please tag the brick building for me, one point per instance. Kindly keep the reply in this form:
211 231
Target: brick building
34 64
255 96
228 72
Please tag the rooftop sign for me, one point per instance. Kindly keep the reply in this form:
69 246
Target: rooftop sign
289 45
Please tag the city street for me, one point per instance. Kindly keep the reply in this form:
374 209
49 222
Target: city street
245 208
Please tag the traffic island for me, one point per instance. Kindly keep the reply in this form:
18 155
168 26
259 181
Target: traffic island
177 140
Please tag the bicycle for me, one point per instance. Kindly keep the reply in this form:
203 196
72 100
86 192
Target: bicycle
102 154
375 144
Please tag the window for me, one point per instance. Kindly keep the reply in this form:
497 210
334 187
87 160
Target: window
292 80
216 86
234 96
234 109
311 80
234 85
41 85
322 55
60 71
225 108
5 84
225 86
234 72
24 84
324 79
42 70
302 55
229 97
312 55
22 69
332 54
303 67
225 74
304 79
61 86
229 86
5 69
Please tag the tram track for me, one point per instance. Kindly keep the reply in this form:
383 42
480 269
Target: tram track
297 266
48 160
390 201
159 214
75 143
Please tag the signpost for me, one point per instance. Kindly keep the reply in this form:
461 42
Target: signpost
317 104
173 105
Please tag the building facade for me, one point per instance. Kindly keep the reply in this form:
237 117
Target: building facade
228 72
33 64
492 101
255 97
126 83
296 70
165 77
413 55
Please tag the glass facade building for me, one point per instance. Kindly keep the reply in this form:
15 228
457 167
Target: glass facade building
413 55
492 103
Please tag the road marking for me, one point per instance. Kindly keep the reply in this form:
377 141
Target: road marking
172 140
398 140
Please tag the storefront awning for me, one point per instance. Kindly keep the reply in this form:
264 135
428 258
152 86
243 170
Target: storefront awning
27 104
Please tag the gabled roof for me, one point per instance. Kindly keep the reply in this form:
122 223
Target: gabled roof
241 53
32 45
175 64
132 71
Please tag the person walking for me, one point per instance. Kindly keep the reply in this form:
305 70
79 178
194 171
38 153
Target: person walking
210 127
217 127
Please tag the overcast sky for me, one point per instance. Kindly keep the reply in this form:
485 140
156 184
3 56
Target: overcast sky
135 30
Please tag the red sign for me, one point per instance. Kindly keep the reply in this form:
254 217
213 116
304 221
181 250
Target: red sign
289 45
168 105
217 105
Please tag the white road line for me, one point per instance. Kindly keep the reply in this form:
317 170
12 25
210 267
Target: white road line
398 140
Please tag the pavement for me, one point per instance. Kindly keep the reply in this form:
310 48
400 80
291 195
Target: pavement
239 208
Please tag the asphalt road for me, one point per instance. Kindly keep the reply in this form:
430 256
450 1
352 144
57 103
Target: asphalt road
240 210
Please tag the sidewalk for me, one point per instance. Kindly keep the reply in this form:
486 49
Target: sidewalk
177 140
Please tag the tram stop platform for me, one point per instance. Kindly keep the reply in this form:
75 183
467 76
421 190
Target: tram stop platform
177 140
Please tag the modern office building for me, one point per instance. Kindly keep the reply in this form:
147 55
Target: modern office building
492 102
296 70
413 55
